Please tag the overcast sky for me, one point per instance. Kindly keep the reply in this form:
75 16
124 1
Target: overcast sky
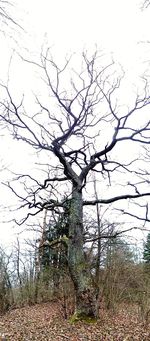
116 27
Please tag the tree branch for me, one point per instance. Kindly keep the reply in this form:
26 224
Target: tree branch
114 199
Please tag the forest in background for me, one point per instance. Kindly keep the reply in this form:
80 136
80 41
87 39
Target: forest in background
40 274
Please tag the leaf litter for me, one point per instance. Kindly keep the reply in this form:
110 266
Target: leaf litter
46 322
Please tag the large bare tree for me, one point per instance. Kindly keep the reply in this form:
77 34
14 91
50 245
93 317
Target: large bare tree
83 128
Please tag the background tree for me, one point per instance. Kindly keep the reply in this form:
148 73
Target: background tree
146 252
117 277
52 249
6 290
84 127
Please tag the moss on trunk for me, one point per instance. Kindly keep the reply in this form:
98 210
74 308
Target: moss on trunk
79 270
84 318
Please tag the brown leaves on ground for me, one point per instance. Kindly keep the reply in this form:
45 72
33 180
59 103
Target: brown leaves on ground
46 322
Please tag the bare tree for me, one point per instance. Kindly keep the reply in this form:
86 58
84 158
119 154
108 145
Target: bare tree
84 128
6 291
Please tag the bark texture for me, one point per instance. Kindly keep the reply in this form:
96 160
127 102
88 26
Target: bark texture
81 277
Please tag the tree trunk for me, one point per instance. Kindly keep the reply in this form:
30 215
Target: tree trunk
80 274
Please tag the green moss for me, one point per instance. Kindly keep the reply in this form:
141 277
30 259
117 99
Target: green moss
77 317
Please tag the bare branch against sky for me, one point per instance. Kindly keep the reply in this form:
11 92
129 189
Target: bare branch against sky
71 125
146 4
5 14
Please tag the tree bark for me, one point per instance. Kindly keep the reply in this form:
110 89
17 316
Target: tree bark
81 277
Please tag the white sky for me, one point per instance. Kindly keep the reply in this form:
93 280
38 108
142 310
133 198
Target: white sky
117 27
